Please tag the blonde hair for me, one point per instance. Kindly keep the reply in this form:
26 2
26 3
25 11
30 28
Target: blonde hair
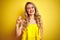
37 17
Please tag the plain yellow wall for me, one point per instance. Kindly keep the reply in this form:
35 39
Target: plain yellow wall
11 9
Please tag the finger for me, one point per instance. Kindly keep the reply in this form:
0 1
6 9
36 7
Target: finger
20 17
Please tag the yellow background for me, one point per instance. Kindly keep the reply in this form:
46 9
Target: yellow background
48 9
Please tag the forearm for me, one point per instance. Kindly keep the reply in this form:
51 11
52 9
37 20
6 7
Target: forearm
41 33
18 30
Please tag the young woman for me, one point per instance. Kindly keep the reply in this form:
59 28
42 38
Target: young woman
30 28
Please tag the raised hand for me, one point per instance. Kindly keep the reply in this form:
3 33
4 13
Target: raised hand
19 29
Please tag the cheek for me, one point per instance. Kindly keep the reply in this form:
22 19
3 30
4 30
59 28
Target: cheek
28 10
33 10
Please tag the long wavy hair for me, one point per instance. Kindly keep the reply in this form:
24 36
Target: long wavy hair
37 17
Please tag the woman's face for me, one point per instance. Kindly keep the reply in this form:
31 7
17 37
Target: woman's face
30 9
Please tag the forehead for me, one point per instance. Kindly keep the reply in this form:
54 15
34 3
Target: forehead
30 5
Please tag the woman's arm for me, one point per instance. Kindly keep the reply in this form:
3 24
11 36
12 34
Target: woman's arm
41 32
19 29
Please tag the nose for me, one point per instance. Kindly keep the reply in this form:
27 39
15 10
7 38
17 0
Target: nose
30 8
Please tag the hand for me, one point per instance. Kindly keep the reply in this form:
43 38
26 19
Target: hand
19 20
19 27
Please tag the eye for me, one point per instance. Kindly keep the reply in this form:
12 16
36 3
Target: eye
32 7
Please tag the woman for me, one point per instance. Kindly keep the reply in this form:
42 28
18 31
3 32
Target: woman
30 28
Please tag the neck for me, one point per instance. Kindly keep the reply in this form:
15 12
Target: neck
31 17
